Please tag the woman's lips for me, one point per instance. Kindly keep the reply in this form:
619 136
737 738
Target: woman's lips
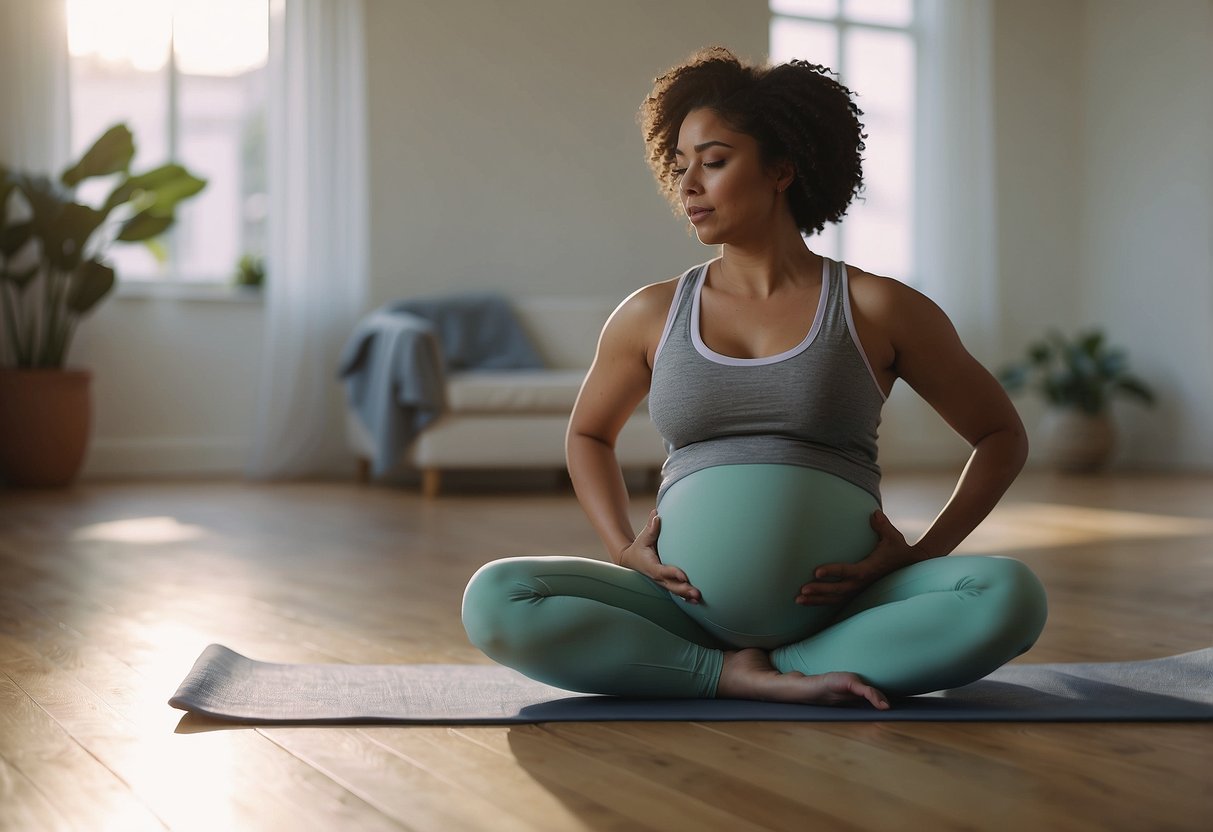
698 214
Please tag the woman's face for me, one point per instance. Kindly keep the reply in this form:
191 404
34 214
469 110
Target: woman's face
726 193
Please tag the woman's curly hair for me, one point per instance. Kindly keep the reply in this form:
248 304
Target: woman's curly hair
795 111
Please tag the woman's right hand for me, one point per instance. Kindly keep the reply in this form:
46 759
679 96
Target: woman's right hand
641 556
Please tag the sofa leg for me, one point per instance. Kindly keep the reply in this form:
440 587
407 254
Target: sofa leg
364 470
431 482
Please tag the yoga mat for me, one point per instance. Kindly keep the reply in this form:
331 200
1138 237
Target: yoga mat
228 686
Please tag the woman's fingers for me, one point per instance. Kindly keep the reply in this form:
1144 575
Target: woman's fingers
837 571
883 526
648 535
677 582
866 691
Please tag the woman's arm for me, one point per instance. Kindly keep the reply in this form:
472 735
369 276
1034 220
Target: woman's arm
617 382
932 360
928 354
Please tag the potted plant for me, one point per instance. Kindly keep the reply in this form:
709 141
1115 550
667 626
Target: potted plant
52 273
1078 379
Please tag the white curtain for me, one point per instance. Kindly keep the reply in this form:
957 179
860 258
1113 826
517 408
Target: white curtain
34 112
955 222
316 264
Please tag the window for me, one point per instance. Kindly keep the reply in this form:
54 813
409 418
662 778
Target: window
189 78
871 44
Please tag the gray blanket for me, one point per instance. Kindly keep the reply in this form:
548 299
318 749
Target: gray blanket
226 685
395 362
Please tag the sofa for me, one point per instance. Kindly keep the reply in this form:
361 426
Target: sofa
515 419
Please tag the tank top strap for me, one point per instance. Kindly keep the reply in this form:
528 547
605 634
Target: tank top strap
678 319
834 324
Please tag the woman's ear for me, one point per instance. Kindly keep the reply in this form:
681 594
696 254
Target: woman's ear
785 175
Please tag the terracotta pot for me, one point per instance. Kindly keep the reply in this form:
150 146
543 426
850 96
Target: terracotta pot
1076 442
45 416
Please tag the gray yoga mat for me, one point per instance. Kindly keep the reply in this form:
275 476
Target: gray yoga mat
226 685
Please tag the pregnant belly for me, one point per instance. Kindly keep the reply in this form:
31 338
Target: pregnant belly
749 536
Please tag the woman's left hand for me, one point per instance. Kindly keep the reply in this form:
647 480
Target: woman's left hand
849 579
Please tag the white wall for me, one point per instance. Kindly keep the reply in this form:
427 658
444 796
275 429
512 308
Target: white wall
174 384
1147 219
504 153
504 146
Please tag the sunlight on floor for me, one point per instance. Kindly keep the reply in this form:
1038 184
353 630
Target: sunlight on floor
1018 526
141 530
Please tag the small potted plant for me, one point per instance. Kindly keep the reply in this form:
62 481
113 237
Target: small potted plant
1078 380
52 273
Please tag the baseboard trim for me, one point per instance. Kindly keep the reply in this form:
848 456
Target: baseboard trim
166 456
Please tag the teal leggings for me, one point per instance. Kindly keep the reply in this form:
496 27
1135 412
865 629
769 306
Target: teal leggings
748 537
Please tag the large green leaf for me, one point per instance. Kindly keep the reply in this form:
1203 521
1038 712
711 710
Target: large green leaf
45 200
14 237
112 153
144 225
165 187
67 238
90 282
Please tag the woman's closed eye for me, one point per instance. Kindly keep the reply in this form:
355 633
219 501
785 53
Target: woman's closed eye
681 171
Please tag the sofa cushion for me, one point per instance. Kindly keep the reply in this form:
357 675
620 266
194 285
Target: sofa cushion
514 391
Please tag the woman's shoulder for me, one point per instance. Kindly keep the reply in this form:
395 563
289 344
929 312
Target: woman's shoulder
647 304
888 302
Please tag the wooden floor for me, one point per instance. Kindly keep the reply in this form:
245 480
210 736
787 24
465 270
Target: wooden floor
108 592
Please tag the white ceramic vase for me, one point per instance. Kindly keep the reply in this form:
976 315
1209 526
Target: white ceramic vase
1076 442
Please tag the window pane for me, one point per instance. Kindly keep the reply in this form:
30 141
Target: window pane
811 8
119 73
876 233
886 12
221 102
815 42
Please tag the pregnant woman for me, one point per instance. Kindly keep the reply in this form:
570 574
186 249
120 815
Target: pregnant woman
767 570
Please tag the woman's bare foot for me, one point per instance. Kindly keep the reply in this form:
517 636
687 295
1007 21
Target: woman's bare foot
749 674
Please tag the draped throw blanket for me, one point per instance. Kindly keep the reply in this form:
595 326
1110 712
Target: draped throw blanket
395 362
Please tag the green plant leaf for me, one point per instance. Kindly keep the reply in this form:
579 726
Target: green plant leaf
144 225
70 234
157 248
45 200
90 282
14 237
112 153
1135 388
1040 353
166 186
1091 342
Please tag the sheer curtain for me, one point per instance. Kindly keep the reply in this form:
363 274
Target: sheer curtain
316 264
34 114
955 222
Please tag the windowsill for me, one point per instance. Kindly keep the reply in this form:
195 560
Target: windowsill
163 289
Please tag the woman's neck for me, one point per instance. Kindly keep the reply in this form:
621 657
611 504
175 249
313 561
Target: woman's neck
761 271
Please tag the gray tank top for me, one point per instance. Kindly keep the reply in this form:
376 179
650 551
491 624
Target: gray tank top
816 405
